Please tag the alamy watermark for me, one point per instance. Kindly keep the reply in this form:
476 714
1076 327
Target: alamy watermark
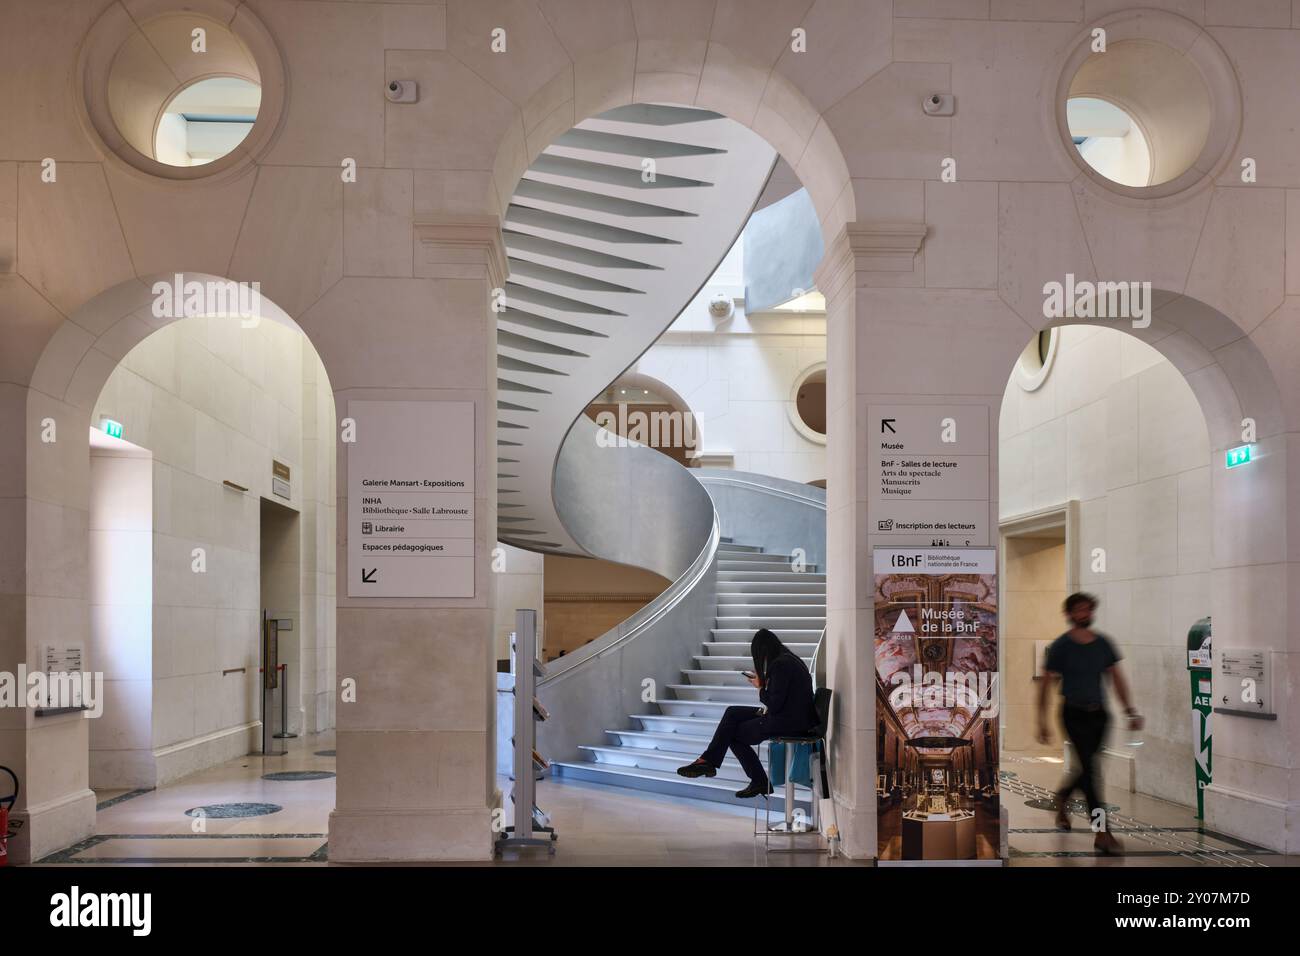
972 691
1085 299
657 429
181 299
61 689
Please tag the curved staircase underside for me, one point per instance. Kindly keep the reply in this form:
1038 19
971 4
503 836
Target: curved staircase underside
610 234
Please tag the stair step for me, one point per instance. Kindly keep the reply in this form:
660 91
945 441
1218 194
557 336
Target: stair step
684 725
661 760
709 709
738 662
771 610
723 693
730 677
730 547
751 576
749 565
803 649
754 621
789 635
674 743
772 587
729 599
655 781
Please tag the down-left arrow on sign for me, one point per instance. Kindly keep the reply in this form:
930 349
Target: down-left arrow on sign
368 575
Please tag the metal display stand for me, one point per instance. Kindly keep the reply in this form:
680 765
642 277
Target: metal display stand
531 826
270 680
284 703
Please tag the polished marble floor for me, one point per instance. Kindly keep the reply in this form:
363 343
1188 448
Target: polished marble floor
597 826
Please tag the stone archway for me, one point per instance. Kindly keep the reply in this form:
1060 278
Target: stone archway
735 81
52 753
1246 586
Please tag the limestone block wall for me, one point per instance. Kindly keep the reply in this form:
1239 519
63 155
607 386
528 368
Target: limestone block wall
736 376
216 401
933 287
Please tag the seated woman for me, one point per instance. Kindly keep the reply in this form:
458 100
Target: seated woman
785 689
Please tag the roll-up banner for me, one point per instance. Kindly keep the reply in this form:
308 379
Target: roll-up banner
936 658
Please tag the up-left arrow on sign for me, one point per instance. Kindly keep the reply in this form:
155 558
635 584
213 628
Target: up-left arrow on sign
368 575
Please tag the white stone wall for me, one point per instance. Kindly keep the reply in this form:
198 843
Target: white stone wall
736 376
1116 427
121 619
214 401
932 312
319 637
517 582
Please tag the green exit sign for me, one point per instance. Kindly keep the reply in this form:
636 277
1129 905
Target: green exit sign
111 428
1238 456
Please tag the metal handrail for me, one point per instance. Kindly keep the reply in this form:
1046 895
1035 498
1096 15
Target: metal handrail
816 657
668 599
765 489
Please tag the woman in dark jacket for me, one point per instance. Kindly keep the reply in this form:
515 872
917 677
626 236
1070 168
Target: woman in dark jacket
785 689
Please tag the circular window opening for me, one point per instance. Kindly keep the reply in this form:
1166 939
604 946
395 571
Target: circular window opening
1035 362
1140 113
807 403
206 120
810 402
1109 140
184 94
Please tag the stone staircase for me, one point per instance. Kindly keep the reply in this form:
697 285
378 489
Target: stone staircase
755 589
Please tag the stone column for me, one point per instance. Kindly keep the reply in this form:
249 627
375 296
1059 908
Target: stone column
889 340
416 764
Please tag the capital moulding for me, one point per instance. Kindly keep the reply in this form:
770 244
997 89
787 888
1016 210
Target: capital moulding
460 241
870 247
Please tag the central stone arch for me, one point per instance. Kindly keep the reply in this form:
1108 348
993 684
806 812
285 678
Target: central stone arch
621 67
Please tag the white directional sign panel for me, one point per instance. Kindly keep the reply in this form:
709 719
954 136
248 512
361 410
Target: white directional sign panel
928 475
1244 679
411 499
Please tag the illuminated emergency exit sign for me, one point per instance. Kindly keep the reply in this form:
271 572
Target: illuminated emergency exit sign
1236 457
111 428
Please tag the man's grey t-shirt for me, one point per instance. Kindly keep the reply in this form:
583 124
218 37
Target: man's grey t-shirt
1081 667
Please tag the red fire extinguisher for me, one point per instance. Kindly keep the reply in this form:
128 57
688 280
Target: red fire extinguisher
6 804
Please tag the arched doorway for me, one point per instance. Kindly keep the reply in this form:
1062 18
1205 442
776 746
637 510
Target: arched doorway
180 454
1118 478
817 161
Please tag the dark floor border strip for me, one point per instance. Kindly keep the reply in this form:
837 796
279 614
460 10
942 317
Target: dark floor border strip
174 860
68 854
1127 853
1236 845
121 798
208 836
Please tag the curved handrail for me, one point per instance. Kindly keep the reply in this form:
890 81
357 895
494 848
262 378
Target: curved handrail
641 619
587 466
818 664
726 477
776 514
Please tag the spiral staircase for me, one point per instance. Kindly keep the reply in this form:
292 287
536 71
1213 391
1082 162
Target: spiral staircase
610 233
